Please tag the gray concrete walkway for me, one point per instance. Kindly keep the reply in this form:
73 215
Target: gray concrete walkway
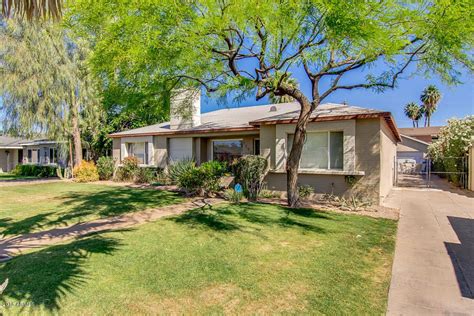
433 270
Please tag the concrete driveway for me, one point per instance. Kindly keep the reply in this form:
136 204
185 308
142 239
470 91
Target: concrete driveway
433 270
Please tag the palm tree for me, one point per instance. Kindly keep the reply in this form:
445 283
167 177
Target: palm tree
32 9
414 112
274 99
430 98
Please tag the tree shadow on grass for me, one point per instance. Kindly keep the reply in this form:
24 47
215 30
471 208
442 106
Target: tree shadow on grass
45 277
24 226
113 202
224 218
199 218
77 207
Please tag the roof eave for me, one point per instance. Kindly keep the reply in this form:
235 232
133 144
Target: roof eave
188 132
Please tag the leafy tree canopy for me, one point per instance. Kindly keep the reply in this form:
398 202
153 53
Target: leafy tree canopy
45 82
242 45
253 47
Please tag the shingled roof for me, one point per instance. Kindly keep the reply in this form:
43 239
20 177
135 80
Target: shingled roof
250 118
11 142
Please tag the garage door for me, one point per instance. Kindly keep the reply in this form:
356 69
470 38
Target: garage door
180 149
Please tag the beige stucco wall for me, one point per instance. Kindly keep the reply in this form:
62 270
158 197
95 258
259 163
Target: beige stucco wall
388 156
409 145
160 155
116 150
367 153
267 143
8 162
363 151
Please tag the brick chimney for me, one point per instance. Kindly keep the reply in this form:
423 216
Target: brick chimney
185 107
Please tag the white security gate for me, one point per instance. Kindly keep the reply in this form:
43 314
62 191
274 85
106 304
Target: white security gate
180 149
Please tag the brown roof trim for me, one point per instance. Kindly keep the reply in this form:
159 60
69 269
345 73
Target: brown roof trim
256 125
386 115
393 127
187 132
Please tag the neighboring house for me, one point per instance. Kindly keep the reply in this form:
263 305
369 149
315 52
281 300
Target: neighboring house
11 152
425 134
344 143
14 151
415 142
412 148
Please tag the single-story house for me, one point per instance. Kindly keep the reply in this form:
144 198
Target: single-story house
425 134
345 144
415 142
14 151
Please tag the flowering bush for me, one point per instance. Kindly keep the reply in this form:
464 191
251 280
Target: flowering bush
453 143
86 172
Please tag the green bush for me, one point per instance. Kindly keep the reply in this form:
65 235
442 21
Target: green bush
128 169
250 171
212 172
86 172
105 167
202 180
192 181
449 152
305 191
145 175
176 169
233 196
35 171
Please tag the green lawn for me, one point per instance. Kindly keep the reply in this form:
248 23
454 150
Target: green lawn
30 208
5 176
247 259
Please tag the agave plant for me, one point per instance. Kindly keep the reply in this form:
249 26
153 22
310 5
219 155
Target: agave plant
430 98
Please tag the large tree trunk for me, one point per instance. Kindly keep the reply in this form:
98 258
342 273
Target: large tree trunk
293 162
76 135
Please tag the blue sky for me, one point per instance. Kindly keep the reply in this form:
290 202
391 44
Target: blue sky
457 101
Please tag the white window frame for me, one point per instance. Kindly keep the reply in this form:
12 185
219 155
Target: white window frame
225 139
328 132
145 153
141 139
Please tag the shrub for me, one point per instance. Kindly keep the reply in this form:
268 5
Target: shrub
192 181
35 171
177 168
305 191
128 169
198 180
232 196
145 175
250 171
105 167
452 145
86 172
212 171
